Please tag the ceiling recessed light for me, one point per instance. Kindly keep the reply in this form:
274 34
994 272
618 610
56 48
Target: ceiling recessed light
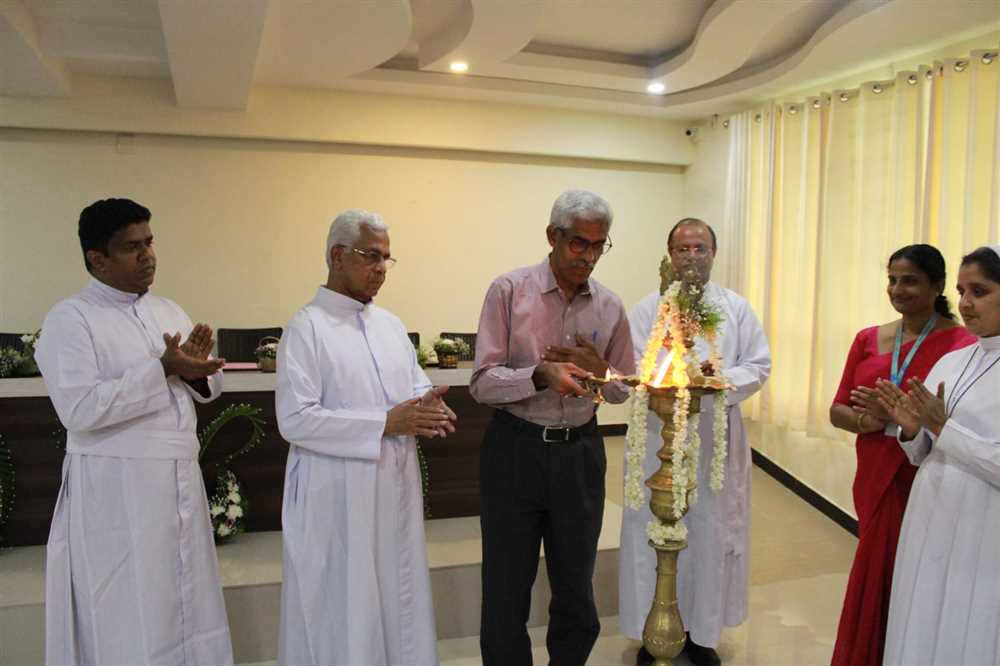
459 66
656 88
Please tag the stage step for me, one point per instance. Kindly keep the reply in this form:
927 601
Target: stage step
251 575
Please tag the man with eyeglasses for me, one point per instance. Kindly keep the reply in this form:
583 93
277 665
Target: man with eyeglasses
351 400
712 570
543 328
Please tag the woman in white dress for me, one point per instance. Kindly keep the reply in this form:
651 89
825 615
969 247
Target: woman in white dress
945 604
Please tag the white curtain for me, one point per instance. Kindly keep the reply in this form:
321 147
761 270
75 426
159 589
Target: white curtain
821 191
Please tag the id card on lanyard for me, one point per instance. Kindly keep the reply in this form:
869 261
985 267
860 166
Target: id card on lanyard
897 372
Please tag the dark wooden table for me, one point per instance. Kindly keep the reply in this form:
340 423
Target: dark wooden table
33 434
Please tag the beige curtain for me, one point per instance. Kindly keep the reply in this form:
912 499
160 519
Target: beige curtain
824 189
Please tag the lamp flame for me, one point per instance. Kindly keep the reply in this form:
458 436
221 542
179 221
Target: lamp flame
664 367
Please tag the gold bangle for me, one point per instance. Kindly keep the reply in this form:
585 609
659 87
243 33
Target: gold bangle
861 418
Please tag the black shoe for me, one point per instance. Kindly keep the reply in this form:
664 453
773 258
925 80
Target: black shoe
643 658
700 655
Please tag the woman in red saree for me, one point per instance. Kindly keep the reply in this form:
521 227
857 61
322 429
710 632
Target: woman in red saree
904 348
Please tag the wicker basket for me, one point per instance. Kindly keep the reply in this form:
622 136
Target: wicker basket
447 361
266 363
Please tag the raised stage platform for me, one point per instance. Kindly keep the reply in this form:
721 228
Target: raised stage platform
251 577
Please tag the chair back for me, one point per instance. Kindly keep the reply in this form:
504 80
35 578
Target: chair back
414 338
12 340
239 344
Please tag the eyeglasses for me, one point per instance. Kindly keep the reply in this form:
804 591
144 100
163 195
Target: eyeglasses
699 251
579 245
373 258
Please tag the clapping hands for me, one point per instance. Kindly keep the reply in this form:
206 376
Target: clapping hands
190 360
914 410
427 416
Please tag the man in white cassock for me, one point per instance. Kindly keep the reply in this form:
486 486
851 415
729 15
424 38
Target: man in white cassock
351 401
131 572
712 570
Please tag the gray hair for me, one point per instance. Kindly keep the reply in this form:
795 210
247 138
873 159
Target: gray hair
346 229
579 205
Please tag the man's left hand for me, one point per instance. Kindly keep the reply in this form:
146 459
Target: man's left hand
435 398
584 355
200 342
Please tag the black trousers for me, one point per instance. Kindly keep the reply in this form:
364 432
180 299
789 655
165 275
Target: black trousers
533 492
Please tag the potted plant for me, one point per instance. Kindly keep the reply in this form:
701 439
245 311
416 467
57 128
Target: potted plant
267 354
448 350
423 356
20 362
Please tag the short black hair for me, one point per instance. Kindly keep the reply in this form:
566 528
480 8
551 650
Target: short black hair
103 219
987 260
693 221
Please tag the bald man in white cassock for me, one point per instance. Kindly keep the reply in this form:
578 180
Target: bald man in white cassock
712 570
351 399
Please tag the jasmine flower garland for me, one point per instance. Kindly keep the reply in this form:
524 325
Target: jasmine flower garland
720 422
660 534
635 448
678 470
720 426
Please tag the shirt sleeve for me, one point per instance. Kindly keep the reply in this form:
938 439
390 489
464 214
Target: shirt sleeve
83 401
620 355
918 448
978 454
753 359
302 418
493 382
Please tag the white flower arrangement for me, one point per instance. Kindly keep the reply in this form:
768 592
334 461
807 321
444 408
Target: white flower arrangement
227 507
20 362
660 534
267 350
451 346
682 315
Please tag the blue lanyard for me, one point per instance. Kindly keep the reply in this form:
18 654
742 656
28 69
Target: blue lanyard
896 376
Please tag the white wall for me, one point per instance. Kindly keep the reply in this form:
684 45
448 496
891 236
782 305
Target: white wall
240 225
241 221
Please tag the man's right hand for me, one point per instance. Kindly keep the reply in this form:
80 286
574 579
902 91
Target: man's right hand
561 378
412 418
177 362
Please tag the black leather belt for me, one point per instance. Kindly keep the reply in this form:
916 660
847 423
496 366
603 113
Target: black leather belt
547 434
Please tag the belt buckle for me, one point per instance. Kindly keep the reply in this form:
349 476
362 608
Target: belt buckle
559 429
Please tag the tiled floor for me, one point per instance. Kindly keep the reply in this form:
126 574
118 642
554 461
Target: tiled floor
798 569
